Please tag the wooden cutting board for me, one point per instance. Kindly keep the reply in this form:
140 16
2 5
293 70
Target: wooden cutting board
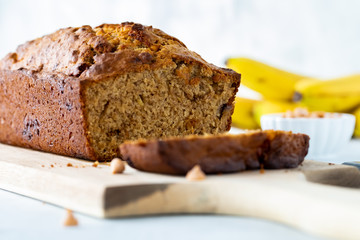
300 197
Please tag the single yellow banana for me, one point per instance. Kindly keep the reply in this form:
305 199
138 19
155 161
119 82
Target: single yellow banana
331 104
272 83
357 125
305 83
267 107
345 86
336 95
243 116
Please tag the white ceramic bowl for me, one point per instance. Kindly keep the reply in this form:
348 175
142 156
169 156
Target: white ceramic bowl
327 135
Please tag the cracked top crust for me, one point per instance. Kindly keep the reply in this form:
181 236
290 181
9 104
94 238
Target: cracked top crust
106 50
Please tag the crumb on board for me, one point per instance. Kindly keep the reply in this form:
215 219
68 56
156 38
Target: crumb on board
95 164
117 166
195 174
70 220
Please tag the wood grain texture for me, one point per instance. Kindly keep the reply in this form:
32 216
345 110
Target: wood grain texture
300 197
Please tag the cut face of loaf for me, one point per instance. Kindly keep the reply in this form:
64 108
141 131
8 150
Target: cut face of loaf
81 91
218 153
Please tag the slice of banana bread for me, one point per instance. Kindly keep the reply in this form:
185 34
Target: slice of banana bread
82 91
217 153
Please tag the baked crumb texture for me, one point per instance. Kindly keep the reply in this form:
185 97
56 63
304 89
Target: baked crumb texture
218 153
83 91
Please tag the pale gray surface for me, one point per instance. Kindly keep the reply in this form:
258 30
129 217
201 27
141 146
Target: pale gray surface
25 218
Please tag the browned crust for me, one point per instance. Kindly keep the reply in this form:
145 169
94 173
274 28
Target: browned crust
218 154
106 50
47 116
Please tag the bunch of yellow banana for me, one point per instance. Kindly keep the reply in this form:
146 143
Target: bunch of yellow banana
284 91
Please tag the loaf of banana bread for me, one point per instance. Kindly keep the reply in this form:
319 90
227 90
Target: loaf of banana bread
83 91
218 153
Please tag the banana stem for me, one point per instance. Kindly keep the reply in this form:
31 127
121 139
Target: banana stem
297 97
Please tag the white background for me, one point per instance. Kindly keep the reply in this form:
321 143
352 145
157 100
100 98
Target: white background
313 37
